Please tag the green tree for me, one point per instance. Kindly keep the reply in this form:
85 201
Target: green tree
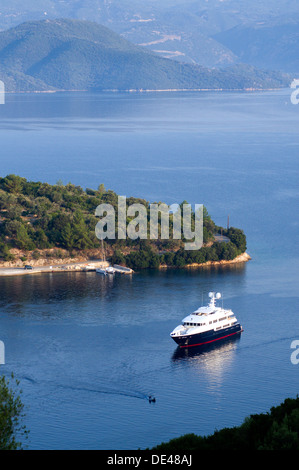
5 200
66 236
238 238
118 258
41 239
5 253
11 415
277 430
101 189
180 259
169 258
56 225
23 239
11 228
12 184
80 232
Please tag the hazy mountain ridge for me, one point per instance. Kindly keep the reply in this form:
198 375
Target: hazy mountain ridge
272 46
79 55
180 29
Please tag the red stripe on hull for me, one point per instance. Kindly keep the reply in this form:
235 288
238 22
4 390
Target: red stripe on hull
211 341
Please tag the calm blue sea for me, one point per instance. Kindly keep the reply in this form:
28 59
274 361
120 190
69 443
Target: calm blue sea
89 350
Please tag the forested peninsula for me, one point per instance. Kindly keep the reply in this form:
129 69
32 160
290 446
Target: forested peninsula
47 224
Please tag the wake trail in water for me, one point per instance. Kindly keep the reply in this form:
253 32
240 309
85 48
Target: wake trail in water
125 393
106 391
29 379
265 343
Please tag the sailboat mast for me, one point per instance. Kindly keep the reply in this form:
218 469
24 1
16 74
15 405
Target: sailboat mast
103 251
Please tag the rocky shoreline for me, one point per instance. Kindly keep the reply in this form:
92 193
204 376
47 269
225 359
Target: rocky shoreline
243 258
82 264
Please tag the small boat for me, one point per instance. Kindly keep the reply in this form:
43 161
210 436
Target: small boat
101 271
206 325
105 271
109 269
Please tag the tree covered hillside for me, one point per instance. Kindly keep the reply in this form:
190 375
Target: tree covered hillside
275 430
74 55
37 217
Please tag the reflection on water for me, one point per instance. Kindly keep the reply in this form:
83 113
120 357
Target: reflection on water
213 350
90 295
211 361
104 343
56 294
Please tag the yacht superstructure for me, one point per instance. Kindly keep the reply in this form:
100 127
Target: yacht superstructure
206 325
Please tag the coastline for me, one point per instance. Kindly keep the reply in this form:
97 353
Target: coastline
143 90
43 266
243 258
83 267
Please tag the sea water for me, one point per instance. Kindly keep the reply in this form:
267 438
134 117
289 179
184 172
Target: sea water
89 350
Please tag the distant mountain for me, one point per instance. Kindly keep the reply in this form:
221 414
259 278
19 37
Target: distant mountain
183 30
80 55
272 46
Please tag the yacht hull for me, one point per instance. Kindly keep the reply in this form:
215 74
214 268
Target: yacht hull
187 341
